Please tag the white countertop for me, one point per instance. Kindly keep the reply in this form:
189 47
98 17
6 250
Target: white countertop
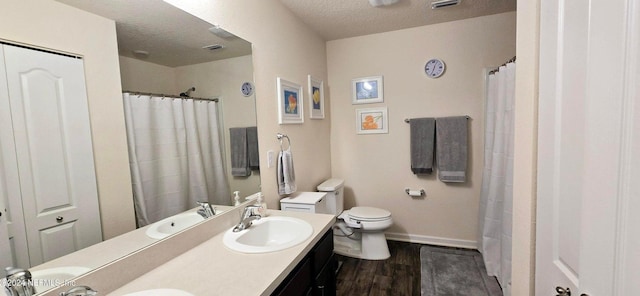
212 269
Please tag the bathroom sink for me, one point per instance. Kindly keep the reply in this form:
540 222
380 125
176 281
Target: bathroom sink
46 279
268 234
160 292
173 224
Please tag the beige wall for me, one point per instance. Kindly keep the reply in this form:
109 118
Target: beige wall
223 79
525 147
58 27
143 76
283 46
376 168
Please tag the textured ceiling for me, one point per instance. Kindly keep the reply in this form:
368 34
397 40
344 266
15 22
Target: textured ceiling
175 38
171 36
336 19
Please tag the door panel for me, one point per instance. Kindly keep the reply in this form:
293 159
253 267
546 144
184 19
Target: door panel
53 150
58 240
561 143
588 77
12 219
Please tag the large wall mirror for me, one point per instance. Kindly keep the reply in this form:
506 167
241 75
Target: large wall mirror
165 52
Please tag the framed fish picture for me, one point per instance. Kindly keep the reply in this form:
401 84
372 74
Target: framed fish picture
290 102
316 98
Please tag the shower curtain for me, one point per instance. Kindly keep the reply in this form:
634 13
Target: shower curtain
496 200
175 155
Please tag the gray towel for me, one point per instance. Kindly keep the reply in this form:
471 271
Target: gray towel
239 153
451 148
286 174
252 143
422 143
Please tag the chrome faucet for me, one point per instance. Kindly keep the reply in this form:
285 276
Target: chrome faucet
205 210
19 282
247 218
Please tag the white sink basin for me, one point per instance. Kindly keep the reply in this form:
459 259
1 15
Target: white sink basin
268 234
160 292
173 224
46 279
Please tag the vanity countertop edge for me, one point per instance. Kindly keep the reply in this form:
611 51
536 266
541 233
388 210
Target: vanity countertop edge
212 269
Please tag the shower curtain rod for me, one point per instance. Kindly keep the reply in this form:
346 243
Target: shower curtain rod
168 96
513 59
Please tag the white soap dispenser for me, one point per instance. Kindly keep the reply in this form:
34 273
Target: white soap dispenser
236 197
262 210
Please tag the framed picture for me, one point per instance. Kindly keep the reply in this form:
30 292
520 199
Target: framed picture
367 90
372 121
316 98
290 102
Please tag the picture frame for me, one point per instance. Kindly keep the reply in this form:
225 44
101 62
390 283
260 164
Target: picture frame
367 90
316 98
372 121
290 102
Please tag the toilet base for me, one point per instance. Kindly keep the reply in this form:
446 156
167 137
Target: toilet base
362 245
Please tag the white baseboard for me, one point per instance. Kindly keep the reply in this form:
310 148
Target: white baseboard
432 240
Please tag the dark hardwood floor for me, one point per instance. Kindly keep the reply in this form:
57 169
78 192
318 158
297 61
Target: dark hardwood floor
398 275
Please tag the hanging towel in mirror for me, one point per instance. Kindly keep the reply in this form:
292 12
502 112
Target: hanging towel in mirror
286 175
239 152
422 139
252 146
451 148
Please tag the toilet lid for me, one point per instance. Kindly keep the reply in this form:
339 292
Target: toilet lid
369 213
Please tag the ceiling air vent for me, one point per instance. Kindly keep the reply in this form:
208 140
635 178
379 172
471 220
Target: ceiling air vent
444 3
213 47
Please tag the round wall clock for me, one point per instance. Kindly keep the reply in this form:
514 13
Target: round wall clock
247 89
434 68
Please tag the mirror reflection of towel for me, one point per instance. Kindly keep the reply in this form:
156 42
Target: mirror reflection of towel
286 174
252 146
239 152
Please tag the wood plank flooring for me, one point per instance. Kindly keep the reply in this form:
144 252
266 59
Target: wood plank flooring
398 275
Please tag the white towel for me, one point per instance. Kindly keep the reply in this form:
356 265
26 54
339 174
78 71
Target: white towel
286 174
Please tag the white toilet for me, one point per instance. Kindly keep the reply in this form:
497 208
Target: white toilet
358 232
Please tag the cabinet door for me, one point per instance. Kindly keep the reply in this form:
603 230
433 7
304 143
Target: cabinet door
325 281
54 152
298 282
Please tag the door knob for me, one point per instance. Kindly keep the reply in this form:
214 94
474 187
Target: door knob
563 291
59 219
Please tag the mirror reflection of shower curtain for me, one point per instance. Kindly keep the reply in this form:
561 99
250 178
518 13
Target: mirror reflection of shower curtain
175 155
496 201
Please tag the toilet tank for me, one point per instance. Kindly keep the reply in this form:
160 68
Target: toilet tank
335 198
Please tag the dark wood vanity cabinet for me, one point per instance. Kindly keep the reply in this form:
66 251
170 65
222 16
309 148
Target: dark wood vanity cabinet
315 274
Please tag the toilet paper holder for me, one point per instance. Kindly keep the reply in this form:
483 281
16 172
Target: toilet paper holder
414 193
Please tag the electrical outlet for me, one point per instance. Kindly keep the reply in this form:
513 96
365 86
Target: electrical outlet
269 158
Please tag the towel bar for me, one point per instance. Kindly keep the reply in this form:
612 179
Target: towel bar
407 120
280 136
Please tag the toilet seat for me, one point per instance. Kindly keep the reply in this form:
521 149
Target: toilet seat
367 218
368 214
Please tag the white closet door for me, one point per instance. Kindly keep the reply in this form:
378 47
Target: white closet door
54 152
13 239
